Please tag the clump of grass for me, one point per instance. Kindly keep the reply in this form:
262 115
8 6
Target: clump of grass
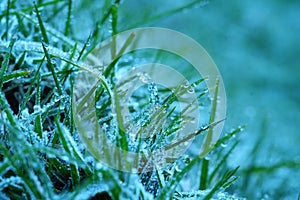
41 156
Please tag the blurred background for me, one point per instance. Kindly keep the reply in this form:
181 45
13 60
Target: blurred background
256 45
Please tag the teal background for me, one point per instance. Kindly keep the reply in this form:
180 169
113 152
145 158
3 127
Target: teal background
256 45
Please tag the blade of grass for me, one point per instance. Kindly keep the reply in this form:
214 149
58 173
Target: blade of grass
128 41
38 126
226 180
6 107
68 21
170 187
221 163
40 185
122 129
15 75
21 60
51 68
41 5
228 136
204 174
87 42
7 19
69 147
271 168
27 95
42 27
5 62
209 136
160 178
114 18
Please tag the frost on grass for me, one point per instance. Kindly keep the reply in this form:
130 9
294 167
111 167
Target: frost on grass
41 153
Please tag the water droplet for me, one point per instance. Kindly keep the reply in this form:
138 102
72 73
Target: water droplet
191 90
223 145
186 84
53 61
177 168
207 157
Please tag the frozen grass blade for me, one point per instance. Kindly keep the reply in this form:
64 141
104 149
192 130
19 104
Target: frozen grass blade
68 21
42 27
109 11
170 186
38 126
15 75
128 41
209 135
5 62
122 129
114 18
21 59
228 136
40 186
6 107
226 180
221 162
68 145
84 47
51 68
7 19
40 5
27 95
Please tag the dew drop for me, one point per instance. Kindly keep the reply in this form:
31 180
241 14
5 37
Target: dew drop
223 145
186 84
191 90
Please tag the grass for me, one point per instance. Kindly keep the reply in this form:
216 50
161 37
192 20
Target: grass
41 154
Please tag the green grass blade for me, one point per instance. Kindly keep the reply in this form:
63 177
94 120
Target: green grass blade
114 19
222 162
122 129
5 62
228 136
6 107
226 180
42 27
27 95
15 75
204 174
87 42
67 145
21 59
68 21
51 68
38 126
170 187
7 19
128 41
